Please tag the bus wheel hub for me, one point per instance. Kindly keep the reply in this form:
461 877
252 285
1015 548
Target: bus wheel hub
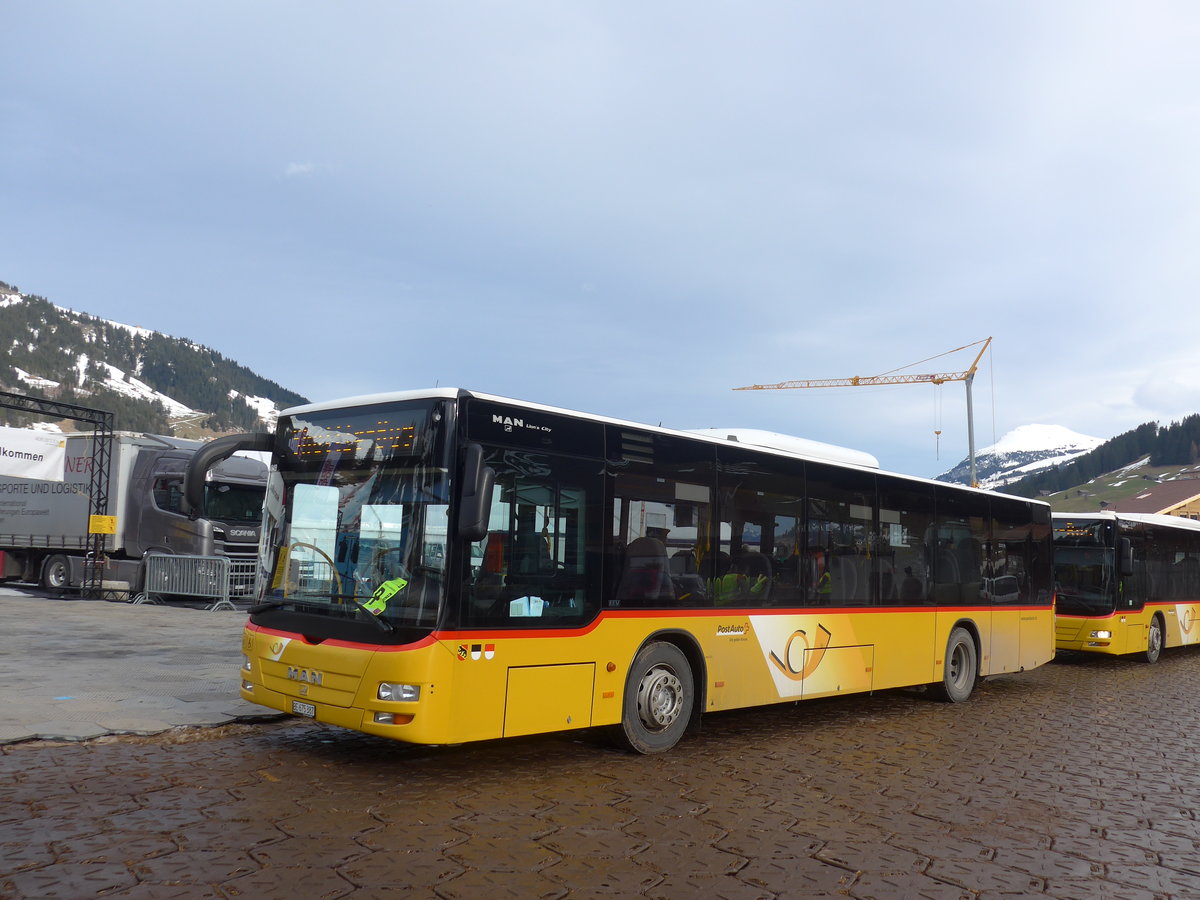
660 696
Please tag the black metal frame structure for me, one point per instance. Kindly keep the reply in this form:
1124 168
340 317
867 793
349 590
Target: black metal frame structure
102 436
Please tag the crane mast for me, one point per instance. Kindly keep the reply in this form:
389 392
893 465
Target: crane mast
967 376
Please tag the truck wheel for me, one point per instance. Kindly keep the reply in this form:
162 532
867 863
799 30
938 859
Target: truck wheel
659 695
961 668
56 573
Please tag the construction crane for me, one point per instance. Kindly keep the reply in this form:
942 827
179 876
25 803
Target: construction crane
891 378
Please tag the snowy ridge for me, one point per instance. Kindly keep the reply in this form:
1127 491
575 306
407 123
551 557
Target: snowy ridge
77 369
1021 452
266 409
125 384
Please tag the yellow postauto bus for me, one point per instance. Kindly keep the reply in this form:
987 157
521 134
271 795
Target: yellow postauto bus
1127 582
445 566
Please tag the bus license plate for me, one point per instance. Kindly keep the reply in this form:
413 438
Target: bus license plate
304 709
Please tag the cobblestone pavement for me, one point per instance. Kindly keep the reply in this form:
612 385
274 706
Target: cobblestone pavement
1078 780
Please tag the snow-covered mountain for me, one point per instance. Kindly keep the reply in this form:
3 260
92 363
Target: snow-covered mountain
151 381
1023 451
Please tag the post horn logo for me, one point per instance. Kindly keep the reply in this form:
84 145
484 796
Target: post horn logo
811 659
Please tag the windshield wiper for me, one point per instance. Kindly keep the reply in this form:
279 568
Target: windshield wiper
384 626
286 601
270 604
276 604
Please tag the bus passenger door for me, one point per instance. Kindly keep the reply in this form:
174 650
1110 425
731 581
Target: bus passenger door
1008 627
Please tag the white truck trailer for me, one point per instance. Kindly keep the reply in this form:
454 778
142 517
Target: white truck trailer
44 525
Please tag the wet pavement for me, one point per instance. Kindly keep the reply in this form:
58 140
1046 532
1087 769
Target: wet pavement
1077 780
77 669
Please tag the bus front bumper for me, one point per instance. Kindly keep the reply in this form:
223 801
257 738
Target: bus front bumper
399 721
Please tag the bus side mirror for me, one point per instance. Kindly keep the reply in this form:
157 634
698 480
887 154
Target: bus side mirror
1126 551
475 495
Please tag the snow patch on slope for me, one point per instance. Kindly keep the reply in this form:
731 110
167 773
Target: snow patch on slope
1022 452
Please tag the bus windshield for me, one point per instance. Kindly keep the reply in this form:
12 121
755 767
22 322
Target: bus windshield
357 514
1083 578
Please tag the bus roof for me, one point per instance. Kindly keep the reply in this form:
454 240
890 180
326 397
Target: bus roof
769 441
773 440
1143 518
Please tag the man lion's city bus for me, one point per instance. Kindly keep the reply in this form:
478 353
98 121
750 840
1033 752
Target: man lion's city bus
1126 582
445 566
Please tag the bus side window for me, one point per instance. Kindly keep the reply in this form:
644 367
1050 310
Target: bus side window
957 539
1009 557
905 521
841 537
659 545
759 560
538 565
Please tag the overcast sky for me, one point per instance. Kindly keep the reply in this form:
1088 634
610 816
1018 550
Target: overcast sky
632 208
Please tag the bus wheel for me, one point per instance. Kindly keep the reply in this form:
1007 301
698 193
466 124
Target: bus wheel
659 694
961 669
1154 640
56 573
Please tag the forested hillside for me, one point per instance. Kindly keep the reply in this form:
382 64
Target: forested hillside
1175 444
78 358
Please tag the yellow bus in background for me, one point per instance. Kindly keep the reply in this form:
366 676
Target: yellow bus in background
1127 582
445 566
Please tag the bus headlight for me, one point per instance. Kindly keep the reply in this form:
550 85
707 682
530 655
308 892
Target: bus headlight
1102 635
405 693
246 663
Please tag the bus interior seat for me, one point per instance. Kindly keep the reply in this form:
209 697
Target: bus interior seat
689 586
969 554
911 589
887 586
646 577
683 562
757 565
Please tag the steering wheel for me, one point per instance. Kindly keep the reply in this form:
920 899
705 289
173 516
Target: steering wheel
376 565
337 579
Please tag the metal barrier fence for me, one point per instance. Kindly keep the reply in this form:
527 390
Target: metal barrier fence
243 570
190 576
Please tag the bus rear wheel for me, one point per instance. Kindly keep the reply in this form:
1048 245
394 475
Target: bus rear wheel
961 669
659 696
1154 640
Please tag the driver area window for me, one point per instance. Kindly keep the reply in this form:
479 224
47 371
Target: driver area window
539 563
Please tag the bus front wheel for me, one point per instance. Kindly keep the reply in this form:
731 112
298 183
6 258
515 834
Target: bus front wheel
659 696
961 668
1154 640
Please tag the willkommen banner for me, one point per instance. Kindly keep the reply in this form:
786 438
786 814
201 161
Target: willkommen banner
32 454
